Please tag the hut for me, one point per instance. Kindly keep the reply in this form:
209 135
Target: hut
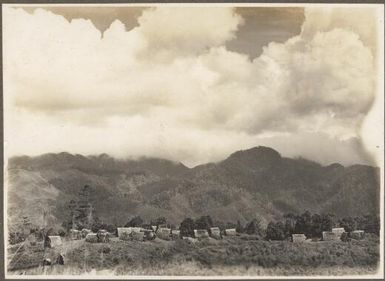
164 233
103 236
230 232
84 232
149 234
137 236
190 240
130 233
334 235
54 241
136 229
175 234
330 236
92 238
357 234
338 231
75 234
124 233
215 233
201 233
298 238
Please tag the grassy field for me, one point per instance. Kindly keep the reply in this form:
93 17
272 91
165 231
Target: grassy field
230 256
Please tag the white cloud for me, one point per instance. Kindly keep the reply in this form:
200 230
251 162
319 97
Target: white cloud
169 88
360 20
187 30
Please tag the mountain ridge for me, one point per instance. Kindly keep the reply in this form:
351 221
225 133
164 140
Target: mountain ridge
256 182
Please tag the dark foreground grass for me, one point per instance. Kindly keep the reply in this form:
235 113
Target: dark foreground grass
234 256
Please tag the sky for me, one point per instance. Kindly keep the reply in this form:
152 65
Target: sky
194 84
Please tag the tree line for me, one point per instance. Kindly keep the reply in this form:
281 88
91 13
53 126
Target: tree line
80 215
312 225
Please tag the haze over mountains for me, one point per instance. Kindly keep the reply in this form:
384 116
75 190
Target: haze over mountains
257 182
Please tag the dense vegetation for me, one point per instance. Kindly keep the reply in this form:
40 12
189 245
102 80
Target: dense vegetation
237 255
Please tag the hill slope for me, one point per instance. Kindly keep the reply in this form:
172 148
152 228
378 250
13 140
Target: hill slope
254 182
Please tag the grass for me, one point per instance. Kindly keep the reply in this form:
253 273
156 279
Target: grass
230 256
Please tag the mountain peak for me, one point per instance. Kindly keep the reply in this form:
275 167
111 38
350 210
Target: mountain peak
260 153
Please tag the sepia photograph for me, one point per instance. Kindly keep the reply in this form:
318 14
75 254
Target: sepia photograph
180 141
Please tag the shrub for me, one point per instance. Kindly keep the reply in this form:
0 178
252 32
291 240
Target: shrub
187 227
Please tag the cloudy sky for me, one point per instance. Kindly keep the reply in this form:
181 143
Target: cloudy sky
194 84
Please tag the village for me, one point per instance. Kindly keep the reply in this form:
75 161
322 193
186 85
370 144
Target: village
83 239
56 246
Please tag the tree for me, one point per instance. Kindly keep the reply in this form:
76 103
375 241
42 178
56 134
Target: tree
289 223
220 224
187 227
230 225
304 224
360 222
204 222
159 221
275 231
372 224
80 210
348 223
111 228
328 222
96 225
254 227
73 213
239 228
316 225
134 222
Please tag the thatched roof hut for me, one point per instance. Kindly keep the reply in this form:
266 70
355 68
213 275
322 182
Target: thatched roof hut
75 234
164 233
230 232
175 234
338 230
124 233
190 240
330 236
103 237
215 232
149 235
54 241
357 234
137 236
136 229
85 231
201 233
298 238
92 238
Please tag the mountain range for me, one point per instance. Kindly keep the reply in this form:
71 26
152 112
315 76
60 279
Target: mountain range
256 182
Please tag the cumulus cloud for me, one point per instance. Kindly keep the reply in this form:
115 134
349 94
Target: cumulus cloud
170 88
188 30
362 21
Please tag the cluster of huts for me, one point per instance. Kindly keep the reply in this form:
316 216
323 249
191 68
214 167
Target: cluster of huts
102 236
165 233
139 234
336 234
